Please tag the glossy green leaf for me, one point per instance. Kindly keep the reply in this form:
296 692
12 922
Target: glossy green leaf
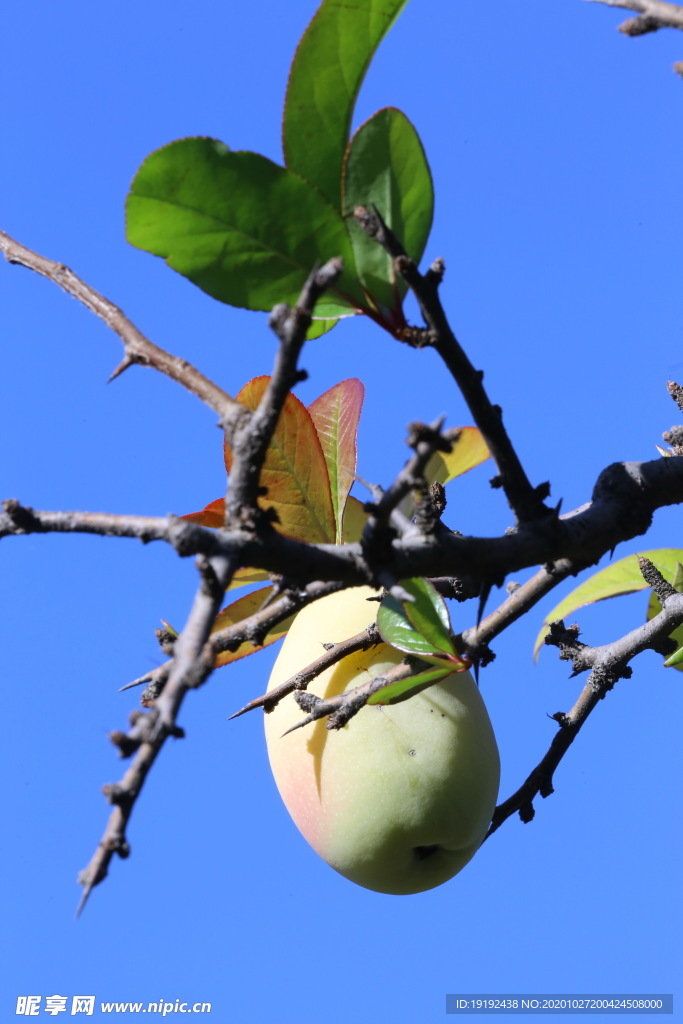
396 629
294 471
621 577
335 415
326 74
428 613
421 626
654 607
320 327
240 227
386 166
676 659
240 610
397 692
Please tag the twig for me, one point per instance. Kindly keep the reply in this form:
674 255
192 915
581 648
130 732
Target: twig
137 348
250 439
607 664
518 603
340 708
193 653
525 501
362 641
230 638
192 664
425 440
653 15
17 519
624 499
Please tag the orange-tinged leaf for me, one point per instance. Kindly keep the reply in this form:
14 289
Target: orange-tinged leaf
467 452
335 416
237 612
294 471
212 515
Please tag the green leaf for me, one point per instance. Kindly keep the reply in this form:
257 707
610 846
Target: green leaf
320 327
421 626
241 228
386 166
397 692
622 577
335 415
654 607
326 74
676 659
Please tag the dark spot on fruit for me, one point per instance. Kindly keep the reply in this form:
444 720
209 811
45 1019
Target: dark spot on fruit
411 753
422 852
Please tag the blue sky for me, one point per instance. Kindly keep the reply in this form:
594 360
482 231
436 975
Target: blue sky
555 145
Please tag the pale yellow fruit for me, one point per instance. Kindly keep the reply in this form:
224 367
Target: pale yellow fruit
399 800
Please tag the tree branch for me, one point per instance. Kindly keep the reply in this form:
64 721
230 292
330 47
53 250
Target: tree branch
137 348
362 641
524 500
250 440
607 664
248 630
653 15
523 597
624 499
192 664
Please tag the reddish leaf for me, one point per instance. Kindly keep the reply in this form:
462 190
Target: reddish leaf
335 416
237 612
294 471
212 515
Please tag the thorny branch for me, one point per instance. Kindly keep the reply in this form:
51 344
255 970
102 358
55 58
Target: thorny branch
251 630
607 664
524 500
625 497
340 708
623 501
137 348
362 641
192 664
193 653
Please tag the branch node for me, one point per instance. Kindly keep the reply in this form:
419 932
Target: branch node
676 391
21 516
653 577
127 745
527 812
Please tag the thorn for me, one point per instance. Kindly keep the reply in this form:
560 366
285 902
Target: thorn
123 365
87 889
299 725
137 682
242 711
